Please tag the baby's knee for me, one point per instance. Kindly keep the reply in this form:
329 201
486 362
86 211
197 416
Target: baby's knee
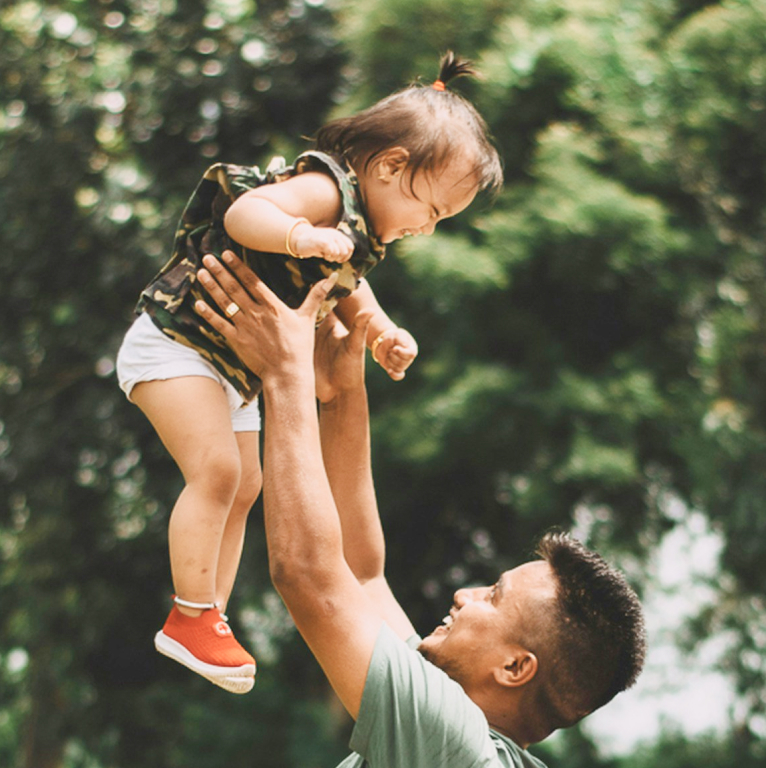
250 486
221 476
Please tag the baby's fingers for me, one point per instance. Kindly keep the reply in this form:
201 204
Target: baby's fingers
397 362
396 365
394 374
340 249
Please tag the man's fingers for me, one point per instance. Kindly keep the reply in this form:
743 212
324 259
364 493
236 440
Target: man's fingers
222 286
233 282
318 294
228 298
213 318
246 277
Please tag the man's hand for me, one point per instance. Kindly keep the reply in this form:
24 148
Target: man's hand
270 338
339 356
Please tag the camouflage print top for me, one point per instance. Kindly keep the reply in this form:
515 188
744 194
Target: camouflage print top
169 298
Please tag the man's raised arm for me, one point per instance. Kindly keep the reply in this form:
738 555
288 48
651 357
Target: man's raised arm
345 434
331 609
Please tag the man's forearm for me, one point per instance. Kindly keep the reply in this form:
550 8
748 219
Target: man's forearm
300 515
345 436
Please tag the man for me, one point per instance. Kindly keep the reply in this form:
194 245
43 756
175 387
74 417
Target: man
550 642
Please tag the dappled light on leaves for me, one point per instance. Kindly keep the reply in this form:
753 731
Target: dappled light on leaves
593 345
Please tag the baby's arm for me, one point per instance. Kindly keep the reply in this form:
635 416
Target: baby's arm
393 348
296 216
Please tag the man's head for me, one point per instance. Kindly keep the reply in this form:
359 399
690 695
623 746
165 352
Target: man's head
550 642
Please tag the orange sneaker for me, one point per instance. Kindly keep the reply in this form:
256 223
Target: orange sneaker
205 644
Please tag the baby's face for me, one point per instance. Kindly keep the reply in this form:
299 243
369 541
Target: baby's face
399 205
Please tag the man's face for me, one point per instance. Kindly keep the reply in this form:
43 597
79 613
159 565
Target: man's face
484 622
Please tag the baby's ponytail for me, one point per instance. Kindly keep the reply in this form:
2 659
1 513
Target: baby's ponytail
451 67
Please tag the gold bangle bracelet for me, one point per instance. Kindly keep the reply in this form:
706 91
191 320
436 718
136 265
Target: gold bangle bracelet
375 344
289 234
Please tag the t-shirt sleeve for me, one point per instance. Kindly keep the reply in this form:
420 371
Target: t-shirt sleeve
413 714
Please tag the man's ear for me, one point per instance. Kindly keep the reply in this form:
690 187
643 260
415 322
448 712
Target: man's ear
391 163
519 668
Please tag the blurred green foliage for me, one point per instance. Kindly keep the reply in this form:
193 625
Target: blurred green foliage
592 346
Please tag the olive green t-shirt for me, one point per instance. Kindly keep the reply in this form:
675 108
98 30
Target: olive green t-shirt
413 715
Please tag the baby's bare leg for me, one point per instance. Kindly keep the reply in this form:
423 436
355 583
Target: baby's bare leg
233 539
192 417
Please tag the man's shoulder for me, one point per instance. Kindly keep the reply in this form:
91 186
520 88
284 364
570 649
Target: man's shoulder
414 714
511 754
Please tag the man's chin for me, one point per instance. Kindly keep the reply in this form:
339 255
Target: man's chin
425 652
432 650
428 646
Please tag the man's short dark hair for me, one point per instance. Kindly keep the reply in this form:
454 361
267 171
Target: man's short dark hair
592 644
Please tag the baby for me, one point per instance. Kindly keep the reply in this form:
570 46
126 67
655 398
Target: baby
396 169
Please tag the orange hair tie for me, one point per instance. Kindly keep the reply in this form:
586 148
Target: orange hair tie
439 85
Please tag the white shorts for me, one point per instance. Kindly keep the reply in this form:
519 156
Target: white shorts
147 354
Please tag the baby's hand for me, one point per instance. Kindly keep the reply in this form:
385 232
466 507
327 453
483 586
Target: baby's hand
394 350
306 241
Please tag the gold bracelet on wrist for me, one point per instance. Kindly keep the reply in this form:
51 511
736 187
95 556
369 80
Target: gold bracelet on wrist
289 234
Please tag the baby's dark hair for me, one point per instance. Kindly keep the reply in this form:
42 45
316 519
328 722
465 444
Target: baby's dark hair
432 122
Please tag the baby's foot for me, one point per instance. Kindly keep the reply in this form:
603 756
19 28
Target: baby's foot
205 644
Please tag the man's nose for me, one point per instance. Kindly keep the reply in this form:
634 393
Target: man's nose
462 596
468 595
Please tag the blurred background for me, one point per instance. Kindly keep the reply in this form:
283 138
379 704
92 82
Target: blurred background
593 354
